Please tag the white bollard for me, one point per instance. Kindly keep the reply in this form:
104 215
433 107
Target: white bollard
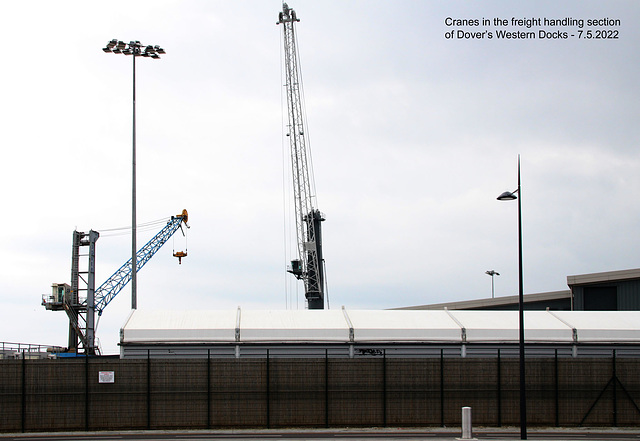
466 423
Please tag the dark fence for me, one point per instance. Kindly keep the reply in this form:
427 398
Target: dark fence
66 394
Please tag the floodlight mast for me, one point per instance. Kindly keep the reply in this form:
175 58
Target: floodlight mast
136 49
308 266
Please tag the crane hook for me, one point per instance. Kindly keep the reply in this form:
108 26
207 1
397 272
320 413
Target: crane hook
180 255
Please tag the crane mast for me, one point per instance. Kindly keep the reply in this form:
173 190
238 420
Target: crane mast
308 267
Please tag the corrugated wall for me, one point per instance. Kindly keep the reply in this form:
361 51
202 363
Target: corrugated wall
56 395
628 294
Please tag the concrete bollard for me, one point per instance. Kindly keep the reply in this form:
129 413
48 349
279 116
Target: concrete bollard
466 423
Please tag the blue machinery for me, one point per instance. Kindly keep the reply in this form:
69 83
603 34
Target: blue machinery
82 309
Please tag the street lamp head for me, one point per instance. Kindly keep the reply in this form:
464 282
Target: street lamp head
508 196
110 45
492 273
134 48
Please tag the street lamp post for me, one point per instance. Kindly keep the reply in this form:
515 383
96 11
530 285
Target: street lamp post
136 49
492 273
508 196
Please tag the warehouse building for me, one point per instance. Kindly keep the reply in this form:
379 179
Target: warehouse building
606 291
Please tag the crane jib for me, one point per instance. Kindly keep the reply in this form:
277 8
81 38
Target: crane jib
114 284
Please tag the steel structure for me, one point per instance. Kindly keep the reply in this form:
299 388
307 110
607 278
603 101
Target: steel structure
82 311
308 267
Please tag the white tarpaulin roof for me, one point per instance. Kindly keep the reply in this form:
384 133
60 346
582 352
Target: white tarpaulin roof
388 326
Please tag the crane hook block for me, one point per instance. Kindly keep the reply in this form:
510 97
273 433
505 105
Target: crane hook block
180 255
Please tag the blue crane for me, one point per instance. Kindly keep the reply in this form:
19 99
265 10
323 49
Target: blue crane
82 312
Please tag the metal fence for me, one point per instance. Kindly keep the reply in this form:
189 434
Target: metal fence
103 393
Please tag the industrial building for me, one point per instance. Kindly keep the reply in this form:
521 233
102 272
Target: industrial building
605 291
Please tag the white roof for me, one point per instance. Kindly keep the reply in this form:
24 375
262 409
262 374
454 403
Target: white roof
388 326
597 327
303 326
404 326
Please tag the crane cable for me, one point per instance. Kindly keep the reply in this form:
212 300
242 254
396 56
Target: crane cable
186 239
288 242
122 231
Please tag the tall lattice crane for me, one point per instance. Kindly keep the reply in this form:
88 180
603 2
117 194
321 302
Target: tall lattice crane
309 265
82 309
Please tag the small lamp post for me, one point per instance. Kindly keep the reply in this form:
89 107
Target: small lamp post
492 273
509 196
136 49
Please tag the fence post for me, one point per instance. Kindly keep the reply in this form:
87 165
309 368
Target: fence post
24 392
615 398
384 387
148 389
326 388
442 387
268 394
86 392
208 388
557 390
499 391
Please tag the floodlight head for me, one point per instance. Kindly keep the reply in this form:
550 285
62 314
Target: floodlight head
106 49
159 50
508 196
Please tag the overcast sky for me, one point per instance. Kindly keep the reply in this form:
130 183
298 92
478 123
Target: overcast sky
413 137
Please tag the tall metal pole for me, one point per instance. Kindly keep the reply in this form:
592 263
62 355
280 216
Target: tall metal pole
492 273
523 389
509 196
492 288
134 270
137 50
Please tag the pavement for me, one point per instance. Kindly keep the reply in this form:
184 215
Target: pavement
346 434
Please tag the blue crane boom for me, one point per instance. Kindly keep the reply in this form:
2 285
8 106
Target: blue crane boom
114 284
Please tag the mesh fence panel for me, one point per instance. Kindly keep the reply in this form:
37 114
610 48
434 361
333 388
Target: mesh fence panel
56 395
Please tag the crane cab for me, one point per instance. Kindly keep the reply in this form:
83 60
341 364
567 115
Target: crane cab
296 268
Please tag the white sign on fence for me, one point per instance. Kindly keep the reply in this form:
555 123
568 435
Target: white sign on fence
106 377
